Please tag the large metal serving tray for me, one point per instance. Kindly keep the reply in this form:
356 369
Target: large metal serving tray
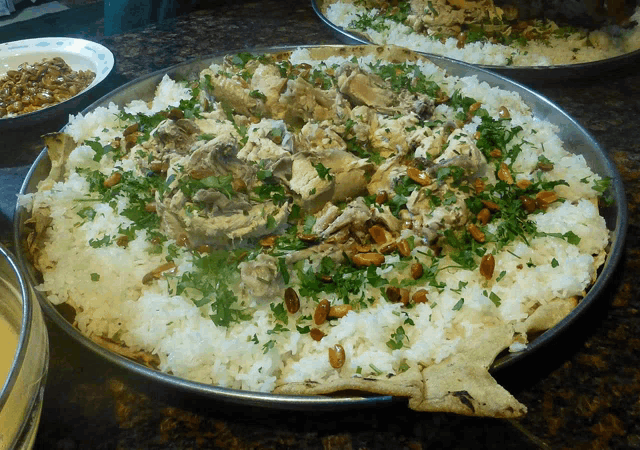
572 134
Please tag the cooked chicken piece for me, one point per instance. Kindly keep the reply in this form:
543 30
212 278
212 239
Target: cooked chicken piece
325 217
312 190
261 148
388 133
384 216
387 176
206 99
317 252
451 13
364 89
350 174
260 277
428 221
236 93
266 79
461 151
220 229
214 215
325 146
362 117
217 157
302 102
170 140
319 138
37 226
175 135
428 142
218 202
369 89
261 141
215 122
354 216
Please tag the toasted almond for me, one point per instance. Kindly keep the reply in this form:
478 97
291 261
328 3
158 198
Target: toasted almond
382 197
131 140
359 248
528 203
379 234
238 185
487 265
420 296
476 233
268 241
388 248
183 240
204 248
368 259
545 167
404 296
291 300
337 356
317 334
156 273
484 216
492 206
418 176
308 237
112 180
176 114
321 312
505 174
404 248
200 174
393 294
545 198
131 129
158 167
122 241
416 270
339 311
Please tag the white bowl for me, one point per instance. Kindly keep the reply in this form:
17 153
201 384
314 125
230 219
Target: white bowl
79 54
21 134
23 387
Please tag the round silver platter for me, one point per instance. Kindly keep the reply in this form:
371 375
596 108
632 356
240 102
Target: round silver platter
524 74
574 136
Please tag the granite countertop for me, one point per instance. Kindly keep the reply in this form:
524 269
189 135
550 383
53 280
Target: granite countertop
582 392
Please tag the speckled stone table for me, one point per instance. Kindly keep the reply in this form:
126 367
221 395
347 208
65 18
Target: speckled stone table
582 392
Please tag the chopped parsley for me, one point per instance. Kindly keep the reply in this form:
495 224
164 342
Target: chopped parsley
209 284
397 340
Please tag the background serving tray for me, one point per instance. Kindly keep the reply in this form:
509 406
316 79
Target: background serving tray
523 74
